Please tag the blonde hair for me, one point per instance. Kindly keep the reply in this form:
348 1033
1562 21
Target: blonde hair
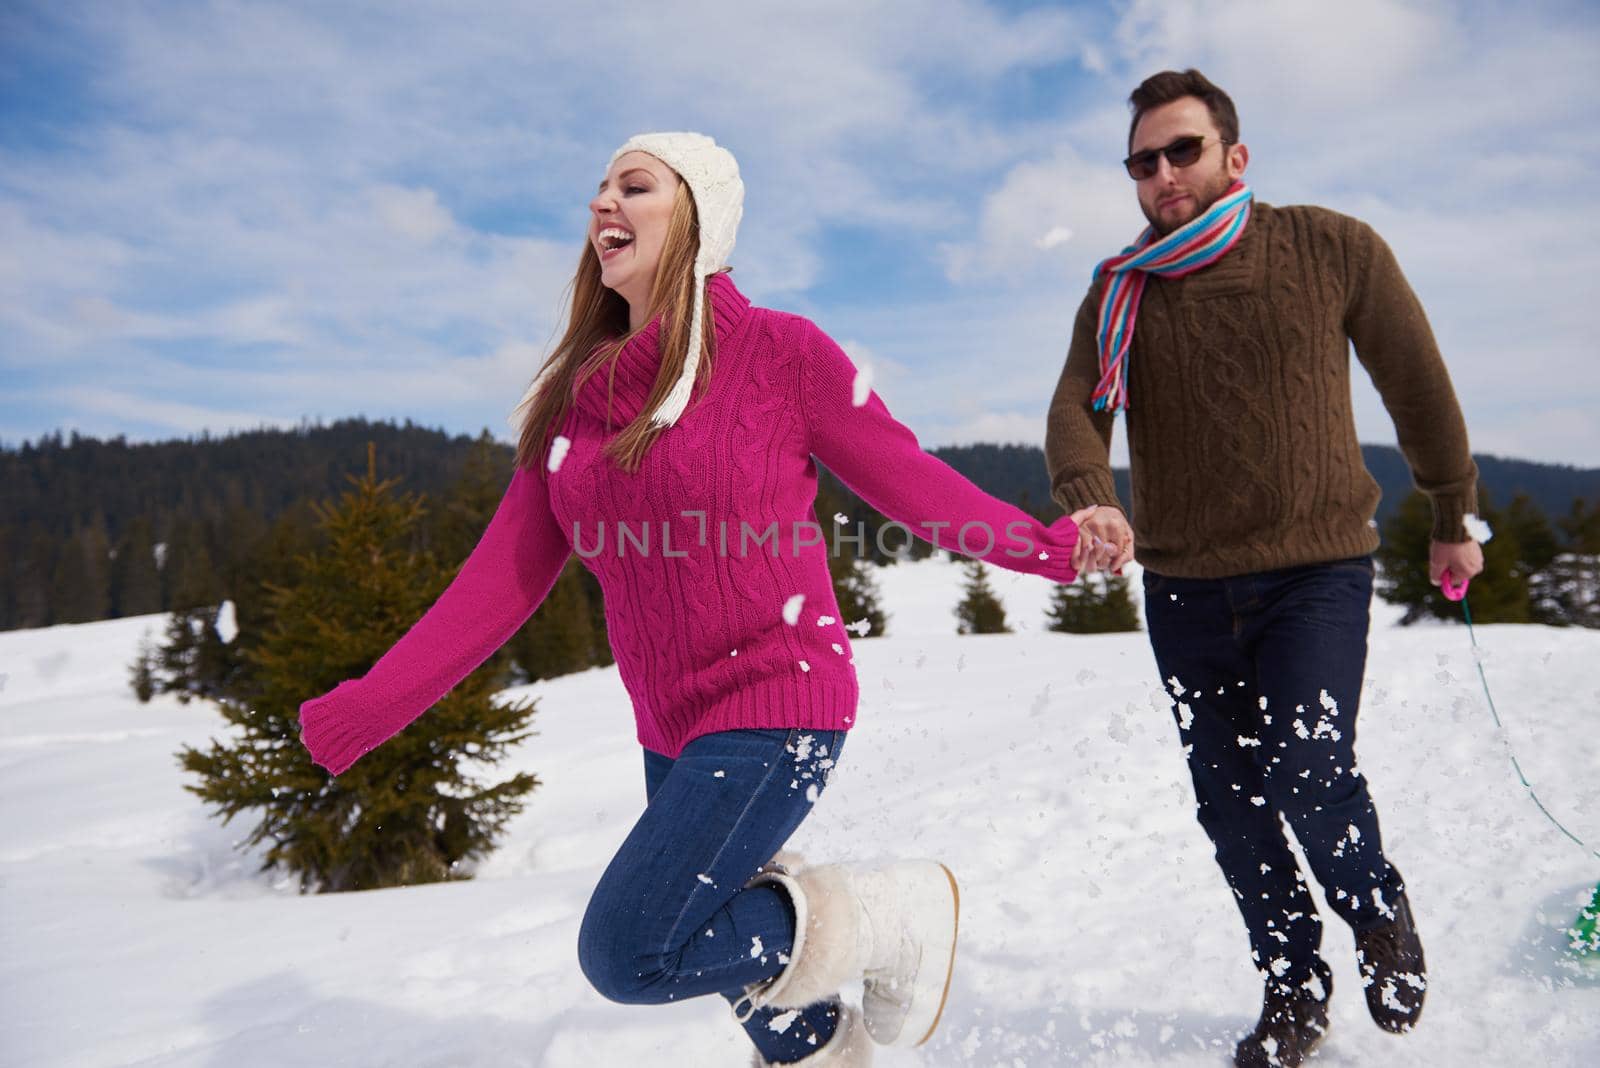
597 331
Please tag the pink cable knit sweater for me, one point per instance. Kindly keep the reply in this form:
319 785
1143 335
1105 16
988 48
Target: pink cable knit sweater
700 551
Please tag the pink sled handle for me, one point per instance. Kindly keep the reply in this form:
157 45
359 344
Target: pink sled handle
1453 590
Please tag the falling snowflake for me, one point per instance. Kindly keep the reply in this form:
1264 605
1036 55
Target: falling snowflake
861 389
558 452
791 609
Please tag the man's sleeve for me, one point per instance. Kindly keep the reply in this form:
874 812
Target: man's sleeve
1393 341
1077 440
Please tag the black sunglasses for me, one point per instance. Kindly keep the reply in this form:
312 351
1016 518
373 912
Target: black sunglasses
1181 153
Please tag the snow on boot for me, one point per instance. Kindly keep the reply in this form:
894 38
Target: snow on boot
1293 1023
892 925
1393 971
848 1048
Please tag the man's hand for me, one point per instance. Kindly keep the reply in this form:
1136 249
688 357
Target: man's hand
1464 559
1105 540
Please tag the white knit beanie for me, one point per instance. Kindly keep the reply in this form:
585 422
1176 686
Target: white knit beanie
712 175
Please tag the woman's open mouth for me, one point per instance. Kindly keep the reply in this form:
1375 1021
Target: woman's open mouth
612 239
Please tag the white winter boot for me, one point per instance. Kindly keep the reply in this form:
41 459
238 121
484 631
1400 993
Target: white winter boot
848 1048
893 925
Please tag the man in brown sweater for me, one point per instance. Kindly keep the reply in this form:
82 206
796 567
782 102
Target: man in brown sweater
1252 516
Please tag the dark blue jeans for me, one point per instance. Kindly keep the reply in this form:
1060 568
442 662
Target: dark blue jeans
673 918
1265 672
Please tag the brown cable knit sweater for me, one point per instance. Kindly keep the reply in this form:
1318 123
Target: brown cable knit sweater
1240 431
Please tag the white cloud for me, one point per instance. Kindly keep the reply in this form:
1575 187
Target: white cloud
339 208
1403 114
1021 223
1312 59
315 186
1005 428
172 417
414 213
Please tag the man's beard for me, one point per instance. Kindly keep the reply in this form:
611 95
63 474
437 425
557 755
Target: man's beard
1206 197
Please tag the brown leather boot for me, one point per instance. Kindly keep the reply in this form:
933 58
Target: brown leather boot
1293 1022
1393 971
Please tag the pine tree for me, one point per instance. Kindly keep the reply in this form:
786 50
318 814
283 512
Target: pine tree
472 500
194 661
560 638
141 674
1098 604
1499 595
33 571
603 656
854 585
566 634
1403 562
81 591
417 807
1537 549
980 611
1575 572
135 579
189 577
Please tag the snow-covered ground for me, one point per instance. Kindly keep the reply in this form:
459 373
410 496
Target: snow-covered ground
1042 767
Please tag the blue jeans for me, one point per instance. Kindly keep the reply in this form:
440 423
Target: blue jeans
673 918
1265 672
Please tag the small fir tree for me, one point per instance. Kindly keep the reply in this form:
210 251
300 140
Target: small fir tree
854 585
980 611
194 661
1097 604
141 674
412 810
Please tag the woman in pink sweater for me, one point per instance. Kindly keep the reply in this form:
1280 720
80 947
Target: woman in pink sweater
669 441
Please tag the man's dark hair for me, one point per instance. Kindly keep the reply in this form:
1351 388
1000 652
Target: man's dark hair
1169 85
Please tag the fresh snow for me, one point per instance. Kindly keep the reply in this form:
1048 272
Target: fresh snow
1044 769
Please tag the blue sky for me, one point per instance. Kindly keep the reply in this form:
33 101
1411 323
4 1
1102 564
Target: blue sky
223 214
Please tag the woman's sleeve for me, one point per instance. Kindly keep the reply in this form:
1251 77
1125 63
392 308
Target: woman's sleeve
505 578
880 459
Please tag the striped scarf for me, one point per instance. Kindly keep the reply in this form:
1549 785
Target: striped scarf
1196 244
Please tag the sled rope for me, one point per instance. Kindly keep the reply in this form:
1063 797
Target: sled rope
1478 660
1585 931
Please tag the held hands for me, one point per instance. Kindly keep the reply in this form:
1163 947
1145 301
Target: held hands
1105 540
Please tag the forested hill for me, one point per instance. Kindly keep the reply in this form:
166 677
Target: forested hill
1010 471
80 518
59 482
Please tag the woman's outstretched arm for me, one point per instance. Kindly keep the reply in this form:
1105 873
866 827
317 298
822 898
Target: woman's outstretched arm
508 574
880 459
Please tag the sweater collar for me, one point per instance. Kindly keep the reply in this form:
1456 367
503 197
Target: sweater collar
623 384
